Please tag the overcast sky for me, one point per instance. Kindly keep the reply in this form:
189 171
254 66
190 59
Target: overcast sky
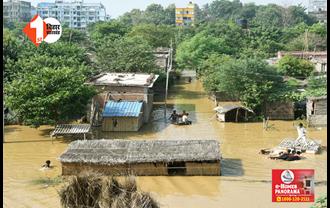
116 8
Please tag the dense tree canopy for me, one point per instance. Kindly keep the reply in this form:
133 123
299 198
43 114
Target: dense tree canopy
295 67
48 96
128 54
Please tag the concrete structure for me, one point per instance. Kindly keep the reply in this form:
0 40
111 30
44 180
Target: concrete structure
317 111
162 57
122 116
16 11
280 110
318 8
303 54
75 14
123 86
321 65
186 15
142 157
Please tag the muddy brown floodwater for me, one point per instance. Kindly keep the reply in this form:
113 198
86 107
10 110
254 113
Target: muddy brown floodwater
246 175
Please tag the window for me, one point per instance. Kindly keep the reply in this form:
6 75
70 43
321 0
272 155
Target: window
176 168
114 123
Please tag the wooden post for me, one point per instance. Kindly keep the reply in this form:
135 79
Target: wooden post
84 136
237 114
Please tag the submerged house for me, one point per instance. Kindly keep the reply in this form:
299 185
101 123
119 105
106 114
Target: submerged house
122 116
280 110
122 86
316 110
142 157
232 113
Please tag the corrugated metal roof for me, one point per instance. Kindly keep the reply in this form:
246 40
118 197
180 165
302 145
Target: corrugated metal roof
122 109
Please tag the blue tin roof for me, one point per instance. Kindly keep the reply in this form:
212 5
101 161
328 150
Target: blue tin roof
122 109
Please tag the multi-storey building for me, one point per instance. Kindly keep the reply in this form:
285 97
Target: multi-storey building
75 14
186 15
16 11
318 8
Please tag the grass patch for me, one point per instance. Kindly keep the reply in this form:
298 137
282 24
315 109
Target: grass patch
48 181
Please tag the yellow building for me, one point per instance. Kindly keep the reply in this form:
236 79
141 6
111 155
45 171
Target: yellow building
185 16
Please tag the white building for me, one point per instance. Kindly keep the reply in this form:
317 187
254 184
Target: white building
75 13
317 5
16 11
318 8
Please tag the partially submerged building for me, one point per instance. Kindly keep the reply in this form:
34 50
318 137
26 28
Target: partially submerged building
142 157
125 87
317 111
280 110
162 56
232 113
122 116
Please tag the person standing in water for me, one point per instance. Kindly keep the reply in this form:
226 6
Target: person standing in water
301 134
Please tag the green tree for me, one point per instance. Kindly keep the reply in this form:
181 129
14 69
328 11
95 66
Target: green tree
317 86
223 9
192 52
128 54
269 16
295 67
155 35
48 96
11 50
253 81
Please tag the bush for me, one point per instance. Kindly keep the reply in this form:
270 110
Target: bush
295 67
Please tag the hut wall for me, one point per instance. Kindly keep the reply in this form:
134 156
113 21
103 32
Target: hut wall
123 123
280 110
203 168
317 112
141 169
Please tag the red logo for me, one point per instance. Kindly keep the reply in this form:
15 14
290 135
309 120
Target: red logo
36 30
293 185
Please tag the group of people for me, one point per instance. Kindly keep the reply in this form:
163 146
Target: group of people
180 118
289 155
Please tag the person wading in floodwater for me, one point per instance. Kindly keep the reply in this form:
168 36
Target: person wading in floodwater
174 117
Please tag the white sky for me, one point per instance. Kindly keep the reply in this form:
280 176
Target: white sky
116 8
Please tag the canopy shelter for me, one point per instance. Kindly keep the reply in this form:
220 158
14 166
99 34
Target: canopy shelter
71 129
233 112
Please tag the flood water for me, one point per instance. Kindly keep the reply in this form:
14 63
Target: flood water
246 175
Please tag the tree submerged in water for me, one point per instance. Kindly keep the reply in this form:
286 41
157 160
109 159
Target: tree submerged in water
90 190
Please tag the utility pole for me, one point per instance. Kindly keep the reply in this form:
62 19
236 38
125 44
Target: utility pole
168 70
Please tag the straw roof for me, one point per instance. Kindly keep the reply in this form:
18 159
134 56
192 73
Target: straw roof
108 152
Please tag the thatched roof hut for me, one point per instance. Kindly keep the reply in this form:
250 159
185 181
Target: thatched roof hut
143 157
